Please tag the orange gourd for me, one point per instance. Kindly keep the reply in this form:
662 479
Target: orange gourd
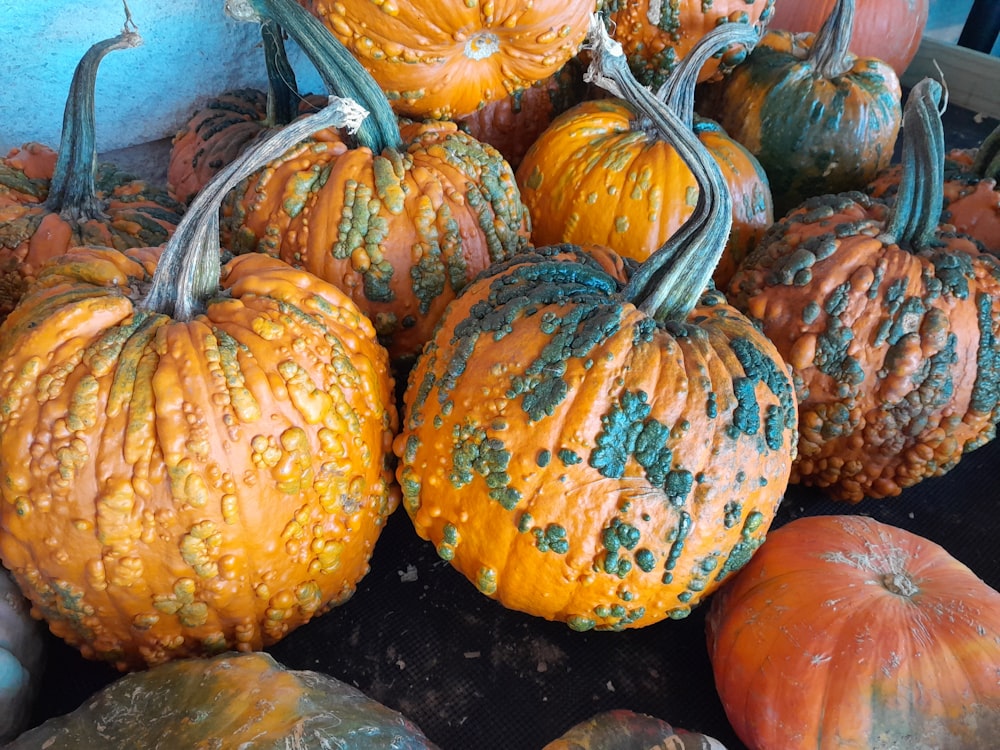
400 217
196 458
51 200
601 173
593 446
451 58
655 36
890 321
845 632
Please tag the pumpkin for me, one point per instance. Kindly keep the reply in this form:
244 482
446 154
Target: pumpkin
890 30
451 58
656 36
229 700
217 132
596 447
889 321
971 198
50 201
400 217
22 658
191 464
843 631
621 729
818 118
601 173
513 123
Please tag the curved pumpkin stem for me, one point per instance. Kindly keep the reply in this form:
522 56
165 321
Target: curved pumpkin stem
187 274
678 90
832 42
72 192
987 162
282 89
669 283
914 217
343 75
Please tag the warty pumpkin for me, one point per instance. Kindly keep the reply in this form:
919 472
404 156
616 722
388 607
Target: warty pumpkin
970 198
621 729
191 465
845 632
889 30
227 701
450 58
399 217
819 118
219 130
656 36
596 447
603 173
890 322
51 200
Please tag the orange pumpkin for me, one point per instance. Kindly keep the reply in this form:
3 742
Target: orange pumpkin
602 174
593 447
451 58
50 201
843 631
890 30
656 36
190 465
890 322
401 217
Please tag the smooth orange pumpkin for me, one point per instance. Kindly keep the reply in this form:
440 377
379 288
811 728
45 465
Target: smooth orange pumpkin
191 464
890 30
449 58
845 632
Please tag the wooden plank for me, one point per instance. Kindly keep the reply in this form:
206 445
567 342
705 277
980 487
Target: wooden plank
972 78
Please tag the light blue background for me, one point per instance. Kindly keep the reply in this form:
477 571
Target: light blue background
192 50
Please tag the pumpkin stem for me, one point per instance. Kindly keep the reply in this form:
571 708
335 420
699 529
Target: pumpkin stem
343 75
669 283
187 274
914 217
830 49
72 191
987 162
900 584
677 92
282 89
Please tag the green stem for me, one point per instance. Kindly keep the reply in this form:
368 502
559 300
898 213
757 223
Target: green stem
987 162
914 217
72 192
187 274
830 49
678 90
282 89
669 283
343 75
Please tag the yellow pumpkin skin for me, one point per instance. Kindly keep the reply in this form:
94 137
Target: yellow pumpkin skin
449 59
845 632
579 463
595 177
180 488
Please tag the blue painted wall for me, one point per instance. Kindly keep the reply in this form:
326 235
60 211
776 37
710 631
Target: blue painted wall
191 51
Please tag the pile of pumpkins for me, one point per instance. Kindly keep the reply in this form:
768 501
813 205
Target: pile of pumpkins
214 393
